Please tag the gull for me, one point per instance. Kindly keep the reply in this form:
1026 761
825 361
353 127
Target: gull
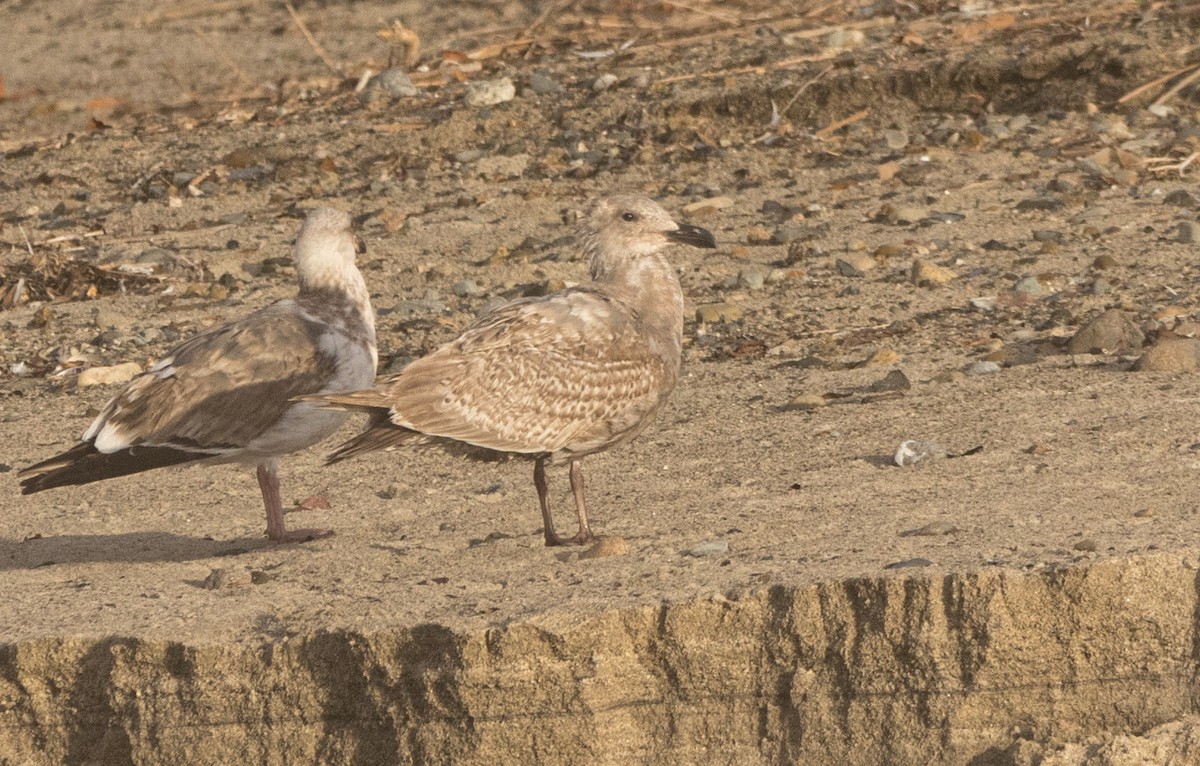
555 378
225 395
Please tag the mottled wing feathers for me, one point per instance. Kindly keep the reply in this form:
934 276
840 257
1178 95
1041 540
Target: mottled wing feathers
221 389
543 375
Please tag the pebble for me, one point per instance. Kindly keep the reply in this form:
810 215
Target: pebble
1187 232
543 84
984 303
605 547
932 529
1086 545
1101 287
844 39
1049 235
1048 204
751 279
709 313
982 368
913 451
705 206
854 264
394 82
228 579
1109 333
1180 198
758 235
605 81
467 288
1029 285
490 92
1170 353
909 563
104 376
924 272
906 214
715 548
1104 262
895 139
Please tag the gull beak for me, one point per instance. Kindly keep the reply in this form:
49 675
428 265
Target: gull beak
687 234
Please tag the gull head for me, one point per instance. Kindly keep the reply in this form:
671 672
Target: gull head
325 249
621 229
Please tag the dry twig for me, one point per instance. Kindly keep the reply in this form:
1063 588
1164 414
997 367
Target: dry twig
312 41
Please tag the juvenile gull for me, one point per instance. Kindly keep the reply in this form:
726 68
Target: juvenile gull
225 395
554 378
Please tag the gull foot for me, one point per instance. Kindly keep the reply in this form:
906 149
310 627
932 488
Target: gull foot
302 535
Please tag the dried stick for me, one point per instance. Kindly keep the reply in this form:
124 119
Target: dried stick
1139 90
1186 81
316 46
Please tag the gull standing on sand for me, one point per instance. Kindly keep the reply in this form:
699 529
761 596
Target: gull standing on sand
555 378
226 394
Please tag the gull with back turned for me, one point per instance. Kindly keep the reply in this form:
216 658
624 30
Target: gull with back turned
553 378
226 395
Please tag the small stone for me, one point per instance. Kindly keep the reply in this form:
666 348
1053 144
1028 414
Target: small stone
228 579
706 206
605 547
895 139
984 304
1109 333
105 376
1170 353
1187 232
905 214
544 85
1101 287
710 313
909 563
714 548
605 81
913 451
982 368
1086 545
1048 204
1049 235
490 92
393 82
758 235
1104 262
854 264
806 402
923 272
1029 285
467 288
751 279
844 39
1180 198
932 529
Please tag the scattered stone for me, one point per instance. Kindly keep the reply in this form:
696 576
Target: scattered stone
982 368
1170 353
605 547
106 376
909 563
1049 235
1101 287
706 206
984 304
1047 204
913 451
932 529
806 403
882 358
758 235
1104 262
1187 232
1181 198
854 264
714 548
1030 285
925 273
544 85
228 579
906 214
467 288
490 92
710 313
1109 333
751 279
1087 545
844 39
604 82
895 139
393 82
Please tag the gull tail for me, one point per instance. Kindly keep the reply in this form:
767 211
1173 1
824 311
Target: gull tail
380 434
84 464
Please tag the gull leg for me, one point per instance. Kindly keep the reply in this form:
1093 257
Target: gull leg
584 535
543 490
268 482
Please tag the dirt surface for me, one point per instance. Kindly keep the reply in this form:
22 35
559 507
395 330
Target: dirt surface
918 205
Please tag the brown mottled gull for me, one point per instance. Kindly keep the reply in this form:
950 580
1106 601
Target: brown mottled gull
553 378
226 394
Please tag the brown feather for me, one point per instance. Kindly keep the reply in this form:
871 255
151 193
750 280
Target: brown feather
83 464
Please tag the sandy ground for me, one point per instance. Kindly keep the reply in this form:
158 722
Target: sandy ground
779 439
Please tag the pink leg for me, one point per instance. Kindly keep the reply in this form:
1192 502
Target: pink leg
268 482
584 535
543 490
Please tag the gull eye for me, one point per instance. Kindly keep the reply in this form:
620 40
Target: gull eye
631 217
